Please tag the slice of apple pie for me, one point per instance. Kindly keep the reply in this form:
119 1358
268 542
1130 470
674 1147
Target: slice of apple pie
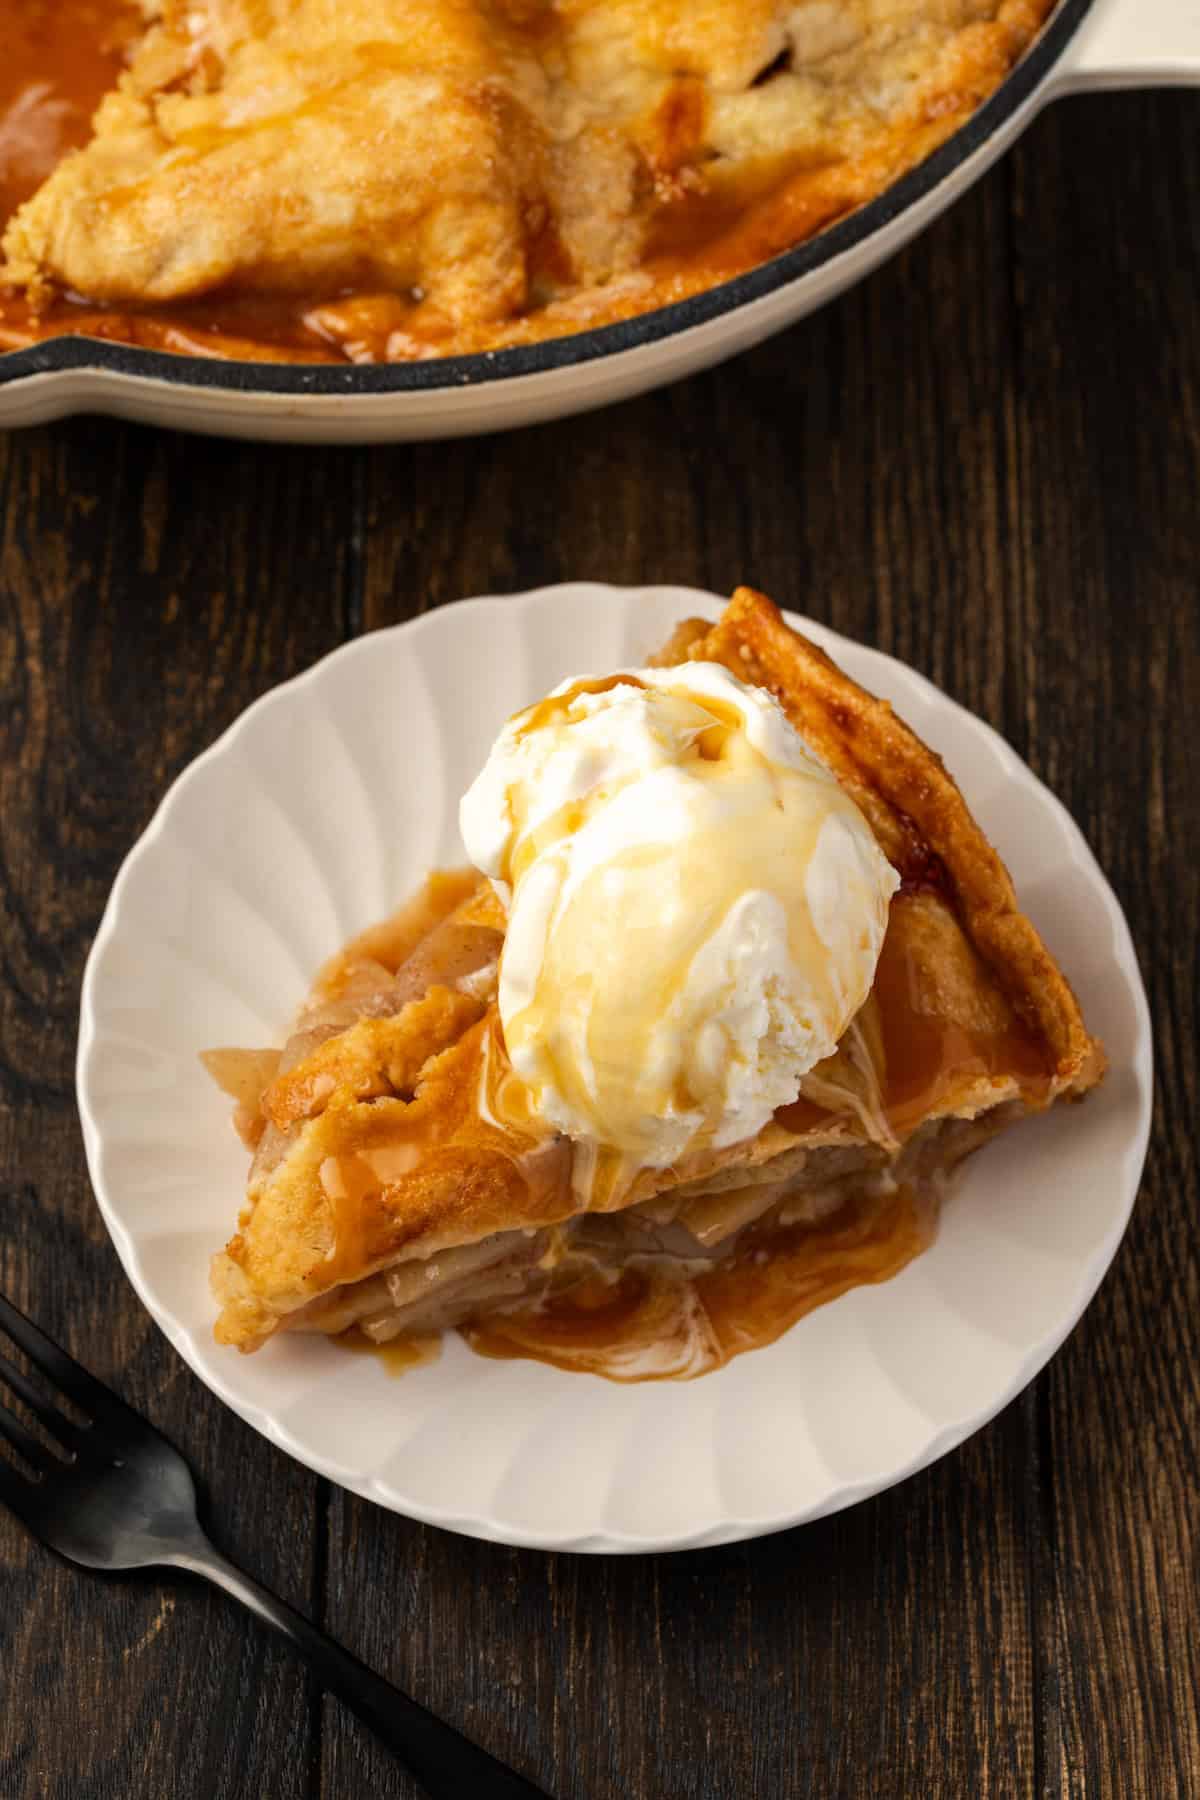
747 983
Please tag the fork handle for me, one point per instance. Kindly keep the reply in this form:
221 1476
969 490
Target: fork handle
447 1765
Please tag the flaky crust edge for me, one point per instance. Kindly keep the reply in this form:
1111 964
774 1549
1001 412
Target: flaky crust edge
915 807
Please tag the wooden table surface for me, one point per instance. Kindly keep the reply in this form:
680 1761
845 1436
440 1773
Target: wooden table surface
986 460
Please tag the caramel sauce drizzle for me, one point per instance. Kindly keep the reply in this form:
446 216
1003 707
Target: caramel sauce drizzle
654 1323
397 1355
652 1319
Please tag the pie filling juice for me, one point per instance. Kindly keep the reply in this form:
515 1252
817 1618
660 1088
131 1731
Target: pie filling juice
656 1316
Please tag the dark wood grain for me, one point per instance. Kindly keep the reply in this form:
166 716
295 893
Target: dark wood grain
1115 578
148 590
985 459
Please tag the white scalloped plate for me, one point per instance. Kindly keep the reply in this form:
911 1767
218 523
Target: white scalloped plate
318 811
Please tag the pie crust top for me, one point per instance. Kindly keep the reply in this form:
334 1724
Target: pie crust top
452 175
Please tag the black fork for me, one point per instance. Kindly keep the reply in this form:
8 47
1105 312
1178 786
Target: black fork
119 1496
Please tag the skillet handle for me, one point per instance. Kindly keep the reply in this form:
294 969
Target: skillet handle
1131 44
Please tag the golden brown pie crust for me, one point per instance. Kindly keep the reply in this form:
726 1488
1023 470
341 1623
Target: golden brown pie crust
914 807
370 183
387 1157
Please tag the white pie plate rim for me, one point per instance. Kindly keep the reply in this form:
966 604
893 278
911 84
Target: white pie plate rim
515 1452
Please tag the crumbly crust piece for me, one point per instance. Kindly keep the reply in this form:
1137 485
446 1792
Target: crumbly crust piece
299 146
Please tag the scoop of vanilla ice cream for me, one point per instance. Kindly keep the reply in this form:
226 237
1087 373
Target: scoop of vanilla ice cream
695 907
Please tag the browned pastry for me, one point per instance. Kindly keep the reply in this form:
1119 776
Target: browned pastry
402 1183
404 180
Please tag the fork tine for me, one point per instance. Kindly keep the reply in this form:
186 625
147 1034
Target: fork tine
24 1442
56 1423
19 1494
90 1395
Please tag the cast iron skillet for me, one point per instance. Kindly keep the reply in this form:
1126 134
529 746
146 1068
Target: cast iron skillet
207 380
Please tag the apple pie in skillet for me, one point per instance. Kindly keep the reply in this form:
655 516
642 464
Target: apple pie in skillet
376 181
743 985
